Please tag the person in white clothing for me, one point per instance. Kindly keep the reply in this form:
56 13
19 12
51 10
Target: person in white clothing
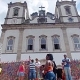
37 64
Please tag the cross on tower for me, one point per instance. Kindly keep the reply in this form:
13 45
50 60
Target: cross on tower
41 7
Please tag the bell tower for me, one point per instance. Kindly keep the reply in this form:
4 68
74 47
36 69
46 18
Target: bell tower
17 13
66 11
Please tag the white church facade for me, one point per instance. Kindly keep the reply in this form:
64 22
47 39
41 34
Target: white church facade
43 33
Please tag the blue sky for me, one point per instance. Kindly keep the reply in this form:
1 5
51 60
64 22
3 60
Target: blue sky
33 6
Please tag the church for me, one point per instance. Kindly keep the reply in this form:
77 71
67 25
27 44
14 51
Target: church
41 33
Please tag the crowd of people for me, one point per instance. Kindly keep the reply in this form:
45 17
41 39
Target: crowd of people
34 70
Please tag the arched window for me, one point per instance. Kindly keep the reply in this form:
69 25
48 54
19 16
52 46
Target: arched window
43 40
30 43
10 43
76 41
68 10
43 43
56 44
16 11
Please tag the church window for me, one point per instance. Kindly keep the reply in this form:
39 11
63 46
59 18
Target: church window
43 43
76 41
68 10
30 44
10 43
56 44
16 11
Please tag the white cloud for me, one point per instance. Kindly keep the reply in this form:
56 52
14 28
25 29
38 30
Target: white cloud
33 5
45 4
3 7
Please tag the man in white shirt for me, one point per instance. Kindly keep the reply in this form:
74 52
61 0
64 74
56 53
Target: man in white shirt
37 64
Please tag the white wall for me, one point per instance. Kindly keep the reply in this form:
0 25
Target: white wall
76 55
37 33
65 19
57 56
8 57
8 33
11 21
17 21
12 57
